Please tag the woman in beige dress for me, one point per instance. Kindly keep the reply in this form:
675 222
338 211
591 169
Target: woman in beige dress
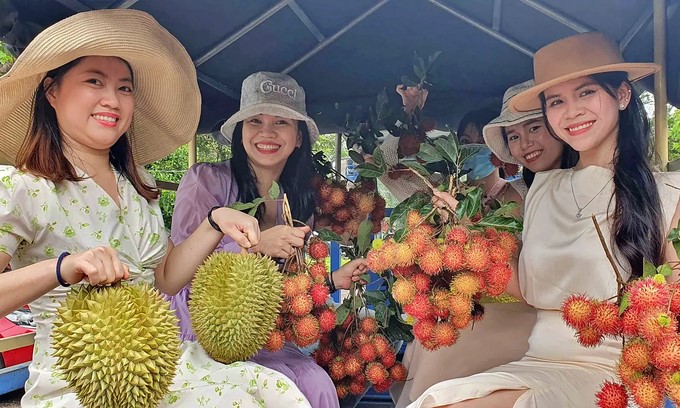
518 139
584 88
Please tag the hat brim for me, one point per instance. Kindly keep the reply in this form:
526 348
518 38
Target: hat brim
529 99
227 129
493 135
166 94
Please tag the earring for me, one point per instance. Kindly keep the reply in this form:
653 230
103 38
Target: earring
622 106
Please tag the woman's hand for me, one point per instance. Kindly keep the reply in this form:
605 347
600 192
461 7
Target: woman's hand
412 97
444 202
98 266
350 272
240 227
280 241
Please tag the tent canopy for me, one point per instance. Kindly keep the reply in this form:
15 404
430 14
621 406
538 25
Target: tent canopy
344 52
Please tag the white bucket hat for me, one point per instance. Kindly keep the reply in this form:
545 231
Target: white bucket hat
492 132
167 99
273 94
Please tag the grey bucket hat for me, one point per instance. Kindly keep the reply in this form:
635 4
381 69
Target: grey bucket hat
492 132
273 94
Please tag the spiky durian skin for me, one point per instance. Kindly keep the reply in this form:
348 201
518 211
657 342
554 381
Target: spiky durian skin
234 303
117 346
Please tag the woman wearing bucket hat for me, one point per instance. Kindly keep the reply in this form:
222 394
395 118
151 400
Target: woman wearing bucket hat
584 88
86 102
524 139
271 137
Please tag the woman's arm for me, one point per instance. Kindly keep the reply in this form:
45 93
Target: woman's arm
182 261
98 266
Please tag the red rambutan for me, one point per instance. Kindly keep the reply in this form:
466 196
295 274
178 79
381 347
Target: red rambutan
404 291
647 293
454 257
666 353
420 307
376 373
367 352
636 355
612 395
646 393
327 319
275 341
477 257
465 284
458 235
398 372
605 318
431 261
589 337
368 325
577 310
301 305
319 294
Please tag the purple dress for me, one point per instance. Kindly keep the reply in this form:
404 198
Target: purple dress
204 186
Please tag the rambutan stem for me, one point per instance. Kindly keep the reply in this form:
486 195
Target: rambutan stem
619 280
427 182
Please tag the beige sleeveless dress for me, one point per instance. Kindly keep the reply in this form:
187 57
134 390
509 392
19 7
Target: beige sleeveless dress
562 255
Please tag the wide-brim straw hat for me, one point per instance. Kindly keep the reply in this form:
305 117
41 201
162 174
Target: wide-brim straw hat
574 57
492 132
273 94
167 98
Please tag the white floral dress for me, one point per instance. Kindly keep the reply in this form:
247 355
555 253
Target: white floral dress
39 220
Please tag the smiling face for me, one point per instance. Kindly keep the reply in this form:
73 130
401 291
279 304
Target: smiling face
533 146
269 140
93 102
586 116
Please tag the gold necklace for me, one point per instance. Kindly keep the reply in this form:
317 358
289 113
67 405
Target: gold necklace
573 194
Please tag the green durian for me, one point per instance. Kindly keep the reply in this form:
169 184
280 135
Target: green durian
116 346
235 299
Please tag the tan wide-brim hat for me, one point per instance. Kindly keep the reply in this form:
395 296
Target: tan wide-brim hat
166 94
493 133
274 94
574 57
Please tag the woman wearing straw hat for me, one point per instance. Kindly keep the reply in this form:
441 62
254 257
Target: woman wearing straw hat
584 88
89 99
271 137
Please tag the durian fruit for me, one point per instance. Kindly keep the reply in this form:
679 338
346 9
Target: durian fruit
235 299
116 346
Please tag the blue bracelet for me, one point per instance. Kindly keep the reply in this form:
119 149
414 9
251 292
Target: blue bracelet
61 280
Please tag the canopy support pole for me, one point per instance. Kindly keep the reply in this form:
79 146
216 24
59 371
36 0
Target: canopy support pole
660 97
192 151
338 155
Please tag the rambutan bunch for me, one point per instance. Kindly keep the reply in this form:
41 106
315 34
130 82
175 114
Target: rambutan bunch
341 208
649 363
356 356
305 313
441 272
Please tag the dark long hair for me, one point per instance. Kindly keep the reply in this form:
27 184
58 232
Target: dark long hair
568 160
295 179
636 227
42 154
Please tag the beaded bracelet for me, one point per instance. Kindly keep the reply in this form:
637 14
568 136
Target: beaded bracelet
212 222
61 280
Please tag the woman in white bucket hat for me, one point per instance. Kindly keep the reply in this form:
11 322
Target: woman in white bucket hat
91 98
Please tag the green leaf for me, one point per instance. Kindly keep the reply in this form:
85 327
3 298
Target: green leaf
400 234
407 81
503 223
665 270
252 211
416 201
447 149
625 302
242 206
356 156
396 330
432 58
676 246
382 314
471 204
375 297
274 191
327 235
369 170
648 269
429 153
467 152
341 313
379 160
413 164
419 71
365 277
364 237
